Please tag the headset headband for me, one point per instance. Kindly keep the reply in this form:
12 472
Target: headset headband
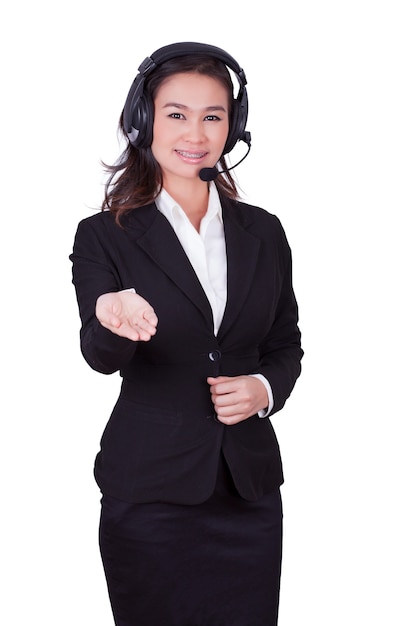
138 110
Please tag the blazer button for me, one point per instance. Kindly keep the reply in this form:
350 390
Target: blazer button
216 355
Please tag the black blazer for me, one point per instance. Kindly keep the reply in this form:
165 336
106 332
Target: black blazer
162 441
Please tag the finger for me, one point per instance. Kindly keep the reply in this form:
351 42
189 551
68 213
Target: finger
229 410
129 333
142 325
143 335
124 330
221 384
231 419
151 317
226 400
213 380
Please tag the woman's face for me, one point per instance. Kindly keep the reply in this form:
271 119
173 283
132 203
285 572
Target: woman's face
191 125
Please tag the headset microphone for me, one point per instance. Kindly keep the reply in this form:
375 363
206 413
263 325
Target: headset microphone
207 174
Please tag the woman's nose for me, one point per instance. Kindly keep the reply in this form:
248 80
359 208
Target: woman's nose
194 132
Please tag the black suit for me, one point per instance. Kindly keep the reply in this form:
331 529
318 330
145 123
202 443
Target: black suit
162 442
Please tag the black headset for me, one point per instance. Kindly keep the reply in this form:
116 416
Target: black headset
138 111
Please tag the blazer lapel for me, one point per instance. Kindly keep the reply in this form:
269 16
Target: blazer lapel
242 250
157 238
154 235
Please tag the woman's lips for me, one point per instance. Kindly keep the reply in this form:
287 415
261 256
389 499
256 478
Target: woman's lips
191 157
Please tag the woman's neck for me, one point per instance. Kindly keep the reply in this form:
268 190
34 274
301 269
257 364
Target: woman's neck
193 199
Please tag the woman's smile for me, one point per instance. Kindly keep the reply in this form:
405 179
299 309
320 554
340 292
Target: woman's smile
191 157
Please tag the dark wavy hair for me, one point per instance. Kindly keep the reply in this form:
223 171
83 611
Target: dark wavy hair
135 179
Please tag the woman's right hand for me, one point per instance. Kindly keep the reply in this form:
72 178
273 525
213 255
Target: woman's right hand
127 314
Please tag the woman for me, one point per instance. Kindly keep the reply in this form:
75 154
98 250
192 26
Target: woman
188 293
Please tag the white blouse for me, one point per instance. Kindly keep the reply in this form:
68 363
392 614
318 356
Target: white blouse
206 249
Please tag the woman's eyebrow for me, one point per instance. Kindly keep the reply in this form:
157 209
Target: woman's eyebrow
177 105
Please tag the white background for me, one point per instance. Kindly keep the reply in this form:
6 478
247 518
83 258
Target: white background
333 101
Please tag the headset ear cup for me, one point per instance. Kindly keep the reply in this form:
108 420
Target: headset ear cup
142 121
232 136
238 121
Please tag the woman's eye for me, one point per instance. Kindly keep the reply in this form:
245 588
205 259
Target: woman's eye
212 118
176 116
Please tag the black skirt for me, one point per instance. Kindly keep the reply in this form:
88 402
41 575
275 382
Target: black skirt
213 564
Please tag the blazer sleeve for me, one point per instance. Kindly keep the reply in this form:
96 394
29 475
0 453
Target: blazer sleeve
280 351
94 272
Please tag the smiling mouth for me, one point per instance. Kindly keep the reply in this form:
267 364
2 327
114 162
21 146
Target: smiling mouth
191 155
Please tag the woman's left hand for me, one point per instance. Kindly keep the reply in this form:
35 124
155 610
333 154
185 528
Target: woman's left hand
236 398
